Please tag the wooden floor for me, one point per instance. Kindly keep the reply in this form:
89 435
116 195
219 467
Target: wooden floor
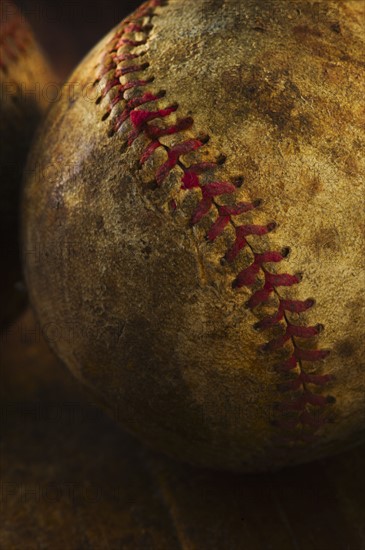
72 480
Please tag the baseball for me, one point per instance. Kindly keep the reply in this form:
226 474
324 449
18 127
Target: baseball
24 73
197 212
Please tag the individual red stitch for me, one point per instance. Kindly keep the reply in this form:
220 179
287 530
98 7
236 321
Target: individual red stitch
218 227
125 56
311 354
236 248
224 218
303 378
109 85
281 279
141 100
209 191
128 42
174 155
133 27
269 322
131 105
288 365
140 118
202 209
110 45
247 277
243 231
296 306
304 332
116 99
121 89
149 150
291 330
190 180
140 121
237 209
217 188
268 257
133 84
277 343
156 131
260 296
130 69
106 69
114 62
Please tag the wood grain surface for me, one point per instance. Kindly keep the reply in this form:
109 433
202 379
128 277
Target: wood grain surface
72 480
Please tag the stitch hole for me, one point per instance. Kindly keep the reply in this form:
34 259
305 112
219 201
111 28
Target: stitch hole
221 159
147 28
331 399
257 203
161 94
152 185
299 276
271 226
98 100
265 348
285 251
124 147
96 82
204 138
105 116
311 302
111 133
320 328
238 182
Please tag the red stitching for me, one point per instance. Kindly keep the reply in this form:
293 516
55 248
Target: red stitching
305 404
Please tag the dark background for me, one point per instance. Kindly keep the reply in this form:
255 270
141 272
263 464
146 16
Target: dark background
68 29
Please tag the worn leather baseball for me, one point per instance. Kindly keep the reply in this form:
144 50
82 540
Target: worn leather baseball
24 77
194 230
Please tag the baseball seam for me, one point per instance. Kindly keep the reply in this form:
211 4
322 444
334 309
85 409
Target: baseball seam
301 415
